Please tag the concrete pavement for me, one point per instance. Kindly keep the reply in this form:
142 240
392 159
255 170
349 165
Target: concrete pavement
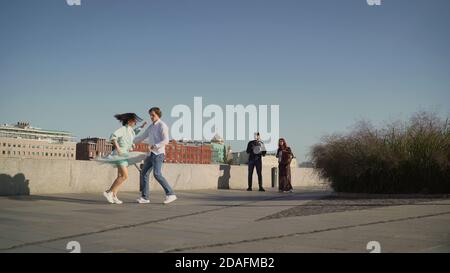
217 221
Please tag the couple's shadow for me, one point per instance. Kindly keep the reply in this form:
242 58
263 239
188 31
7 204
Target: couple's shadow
14 185
17 187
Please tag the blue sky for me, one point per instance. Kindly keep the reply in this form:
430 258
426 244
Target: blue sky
327 63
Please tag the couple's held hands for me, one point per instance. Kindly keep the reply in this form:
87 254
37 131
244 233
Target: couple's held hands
153 147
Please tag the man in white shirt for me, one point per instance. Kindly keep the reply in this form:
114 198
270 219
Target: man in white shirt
157 136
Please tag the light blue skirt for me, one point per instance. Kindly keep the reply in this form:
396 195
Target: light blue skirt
125 160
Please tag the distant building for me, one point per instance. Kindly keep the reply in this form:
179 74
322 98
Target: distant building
89 148
219 150
22 140
306 164
141 147
192 152
239 158
188 152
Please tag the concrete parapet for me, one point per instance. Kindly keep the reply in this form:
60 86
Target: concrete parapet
40 176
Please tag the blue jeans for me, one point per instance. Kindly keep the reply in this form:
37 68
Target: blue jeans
154 162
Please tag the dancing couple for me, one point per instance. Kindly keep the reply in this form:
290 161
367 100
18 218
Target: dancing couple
123 140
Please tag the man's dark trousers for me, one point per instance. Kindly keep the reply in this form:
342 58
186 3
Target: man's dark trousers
252 164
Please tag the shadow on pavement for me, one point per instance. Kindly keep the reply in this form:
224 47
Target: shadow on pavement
251 196
14 185
57 198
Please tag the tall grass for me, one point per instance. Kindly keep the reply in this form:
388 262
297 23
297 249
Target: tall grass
401 157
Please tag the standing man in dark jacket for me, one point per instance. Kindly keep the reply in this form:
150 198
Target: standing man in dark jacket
255 150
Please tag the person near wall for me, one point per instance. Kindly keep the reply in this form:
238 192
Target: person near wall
123 155
255 150
285 156
157 136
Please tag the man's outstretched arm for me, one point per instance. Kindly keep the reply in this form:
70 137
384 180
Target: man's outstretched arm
141 137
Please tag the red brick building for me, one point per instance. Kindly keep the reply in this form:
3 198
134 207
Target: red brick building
188 152
176 152
183 152
89 148
141 147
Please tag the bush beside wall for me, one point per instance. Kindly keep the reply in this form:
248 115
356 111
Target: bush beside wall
401 157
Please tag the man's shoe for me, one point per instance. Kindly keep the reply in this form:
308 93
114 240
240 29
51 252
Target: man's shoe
249 189
142 200
262 189
170 199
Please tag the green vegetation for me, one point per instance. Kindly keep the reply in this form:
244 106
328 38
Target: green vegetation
401 157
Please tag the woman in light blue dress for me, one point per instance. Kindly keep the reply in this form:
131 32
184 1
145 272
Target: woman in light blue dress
123 155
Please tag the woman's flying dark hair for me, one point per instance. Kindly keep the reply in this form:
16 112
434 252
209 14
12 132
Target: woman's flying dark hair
124 118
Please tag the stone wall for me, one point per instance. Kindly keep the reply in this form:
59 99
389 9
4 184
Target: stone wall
41 176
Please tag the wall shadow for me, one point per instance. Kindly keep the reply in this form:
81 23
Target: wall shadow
57 199
223 182
14 185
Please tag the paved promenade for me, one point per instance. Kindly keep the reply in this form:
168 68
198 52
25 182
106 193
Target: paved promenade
224 221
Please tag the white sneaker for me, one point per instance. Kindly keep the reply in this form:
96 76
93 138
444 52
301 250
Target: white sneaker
142 200
109 196
116 200
170 199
